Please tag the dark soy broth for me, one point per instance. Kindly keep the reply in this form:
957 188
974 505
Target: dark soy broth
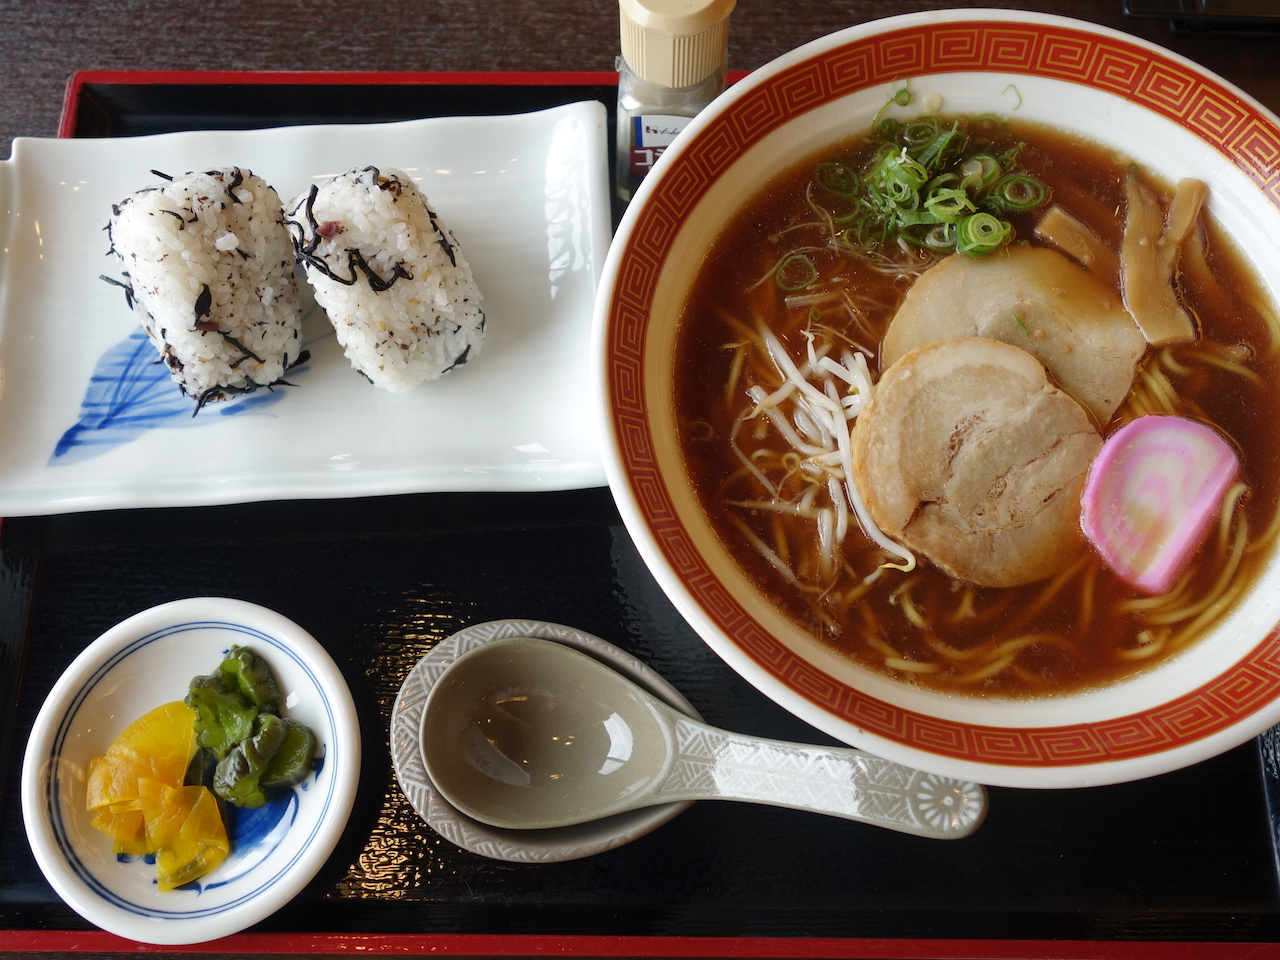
1081 629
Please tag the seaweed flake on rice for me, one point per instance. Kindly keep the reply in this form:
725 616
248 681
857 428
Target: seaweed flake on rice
209 271
390 275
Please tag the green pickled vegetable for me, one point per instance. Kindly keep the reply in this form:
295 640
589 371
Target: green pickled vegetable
238 723
223 716
293 761
251 675
238 776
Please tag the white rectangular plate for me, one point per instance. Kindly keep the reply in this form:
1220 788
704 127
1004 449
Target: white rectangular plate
83 428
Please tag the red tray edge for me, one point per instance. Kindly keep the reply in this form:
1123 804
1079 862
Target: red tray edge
78 81
505 945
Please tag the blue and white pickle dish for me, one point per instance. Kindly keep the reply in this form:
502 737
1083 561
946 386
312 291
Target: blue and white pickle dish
142 663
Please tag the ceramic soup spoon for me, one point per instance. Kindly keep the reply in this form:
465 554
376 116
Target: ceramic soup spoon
524 733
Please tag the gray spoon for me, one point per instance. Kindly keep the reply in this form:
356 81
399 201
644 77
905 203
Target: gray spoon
525 734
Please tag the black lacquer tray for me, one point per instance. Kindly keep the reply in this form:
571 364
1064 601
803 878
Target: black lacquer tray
1179 865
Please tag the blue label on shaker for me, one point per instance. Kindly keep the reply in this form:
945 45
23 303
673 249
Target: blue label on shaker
650 135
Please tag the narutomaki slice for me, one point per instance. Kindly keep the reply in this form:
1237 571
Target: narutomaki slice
1151 495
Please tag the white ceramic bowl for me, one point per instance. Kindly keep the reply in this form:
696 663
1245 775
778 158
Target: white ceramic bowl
1163 111
136 666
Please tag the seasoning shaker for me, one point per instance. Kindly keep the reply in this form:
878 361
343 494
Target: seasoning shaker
674 62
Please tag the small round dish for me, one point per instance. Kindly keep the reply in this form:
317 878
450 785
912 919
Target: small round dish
516 846
140 664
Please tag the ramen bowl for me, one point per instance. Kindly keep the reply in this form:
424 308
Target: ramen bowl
1164 113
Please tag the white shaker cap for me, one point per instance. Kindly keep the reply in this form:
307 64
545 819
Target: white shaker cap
674 43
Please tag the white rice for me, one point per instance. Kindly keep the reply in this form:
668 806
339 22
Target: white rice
210 266
390 275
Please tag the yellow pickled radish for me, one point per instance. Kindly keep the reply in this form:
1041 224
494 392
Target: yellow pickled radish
107 782
120 821
163 810
137 795
157 746
200 845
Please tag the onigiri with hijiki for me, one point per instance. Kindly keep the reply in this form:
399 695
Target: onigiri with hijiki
390 275
209 271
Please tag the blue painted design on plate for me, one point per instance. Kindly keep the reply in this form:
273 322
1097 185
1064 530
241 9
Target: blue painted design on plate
131 392
256 834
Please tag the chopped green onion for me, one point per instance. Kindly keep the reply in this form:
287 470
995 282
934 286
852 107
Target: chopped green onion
984 167
897 173
937 149
920 133
890 128
1017 191
949 205
914 218
981 233
929 183
870 232
838 178
1009 159
796 271
901 98
941 237
855 210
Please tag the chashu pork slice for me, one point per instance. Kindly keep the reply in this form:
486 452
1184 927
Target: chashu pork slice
1036 299
969 455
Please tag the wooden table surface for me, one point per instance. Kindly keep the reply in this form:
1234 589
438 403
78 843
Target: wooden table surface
43 43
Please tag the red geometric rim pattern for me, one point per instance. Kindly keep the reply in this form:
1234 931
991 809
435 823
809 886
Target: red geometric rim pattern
1234 127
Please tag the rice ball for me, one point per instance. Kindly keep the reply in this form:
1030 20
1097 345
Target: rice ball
390 275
